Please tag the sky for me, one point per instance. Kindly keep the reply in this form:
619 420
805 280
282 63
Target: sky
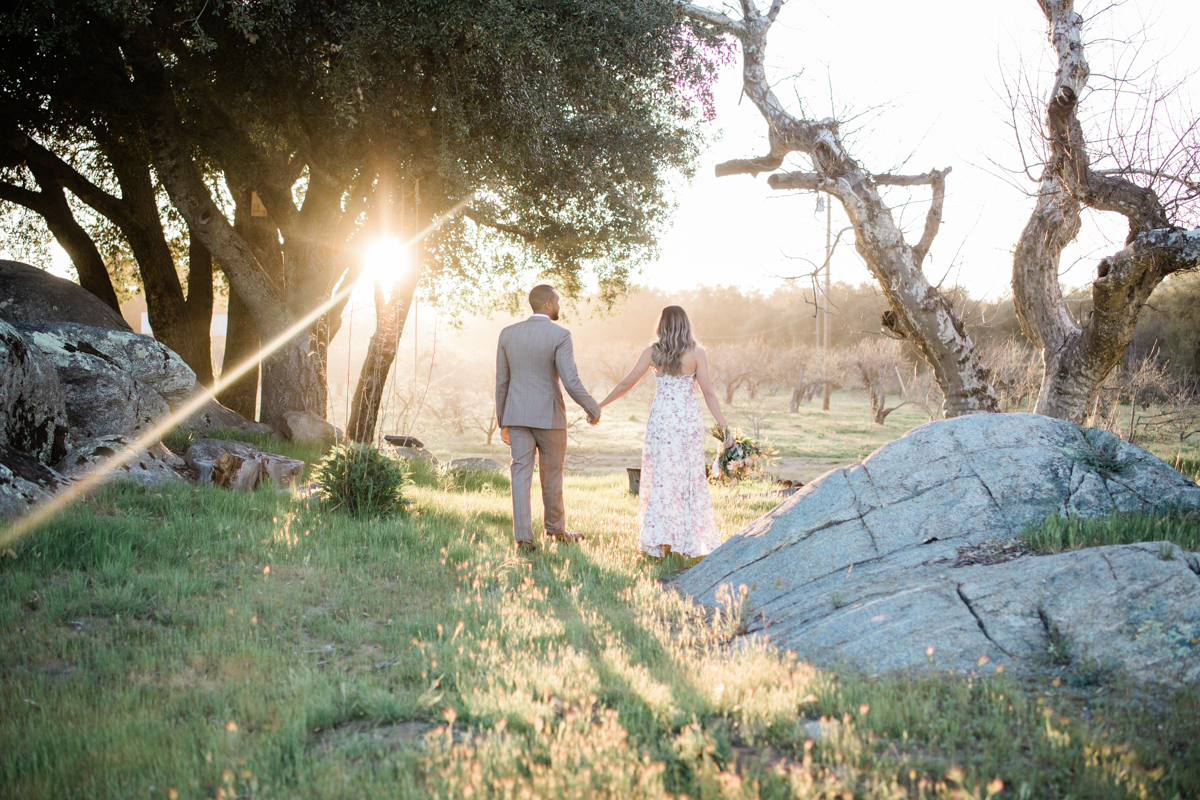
929 79
926 83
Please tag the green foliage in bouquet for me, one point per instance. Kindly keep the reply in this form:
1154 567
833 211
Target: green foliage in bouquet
743 460
362 480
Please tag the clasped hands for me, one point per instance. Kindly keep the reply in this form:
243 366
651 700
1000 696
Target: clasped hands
504 431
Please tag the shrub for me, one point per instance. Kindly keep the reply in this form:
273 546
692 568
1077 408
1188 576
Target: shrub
362 480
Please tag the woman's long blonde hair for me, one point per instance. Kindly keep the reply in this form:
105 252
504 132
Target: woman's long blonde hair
674 340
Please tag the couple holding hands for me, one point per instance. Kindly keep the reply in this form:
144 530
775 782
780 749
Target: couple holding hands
675 512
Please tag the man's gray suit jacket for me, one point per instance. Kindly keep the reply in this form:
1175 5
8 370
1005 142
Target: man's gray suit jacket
531 358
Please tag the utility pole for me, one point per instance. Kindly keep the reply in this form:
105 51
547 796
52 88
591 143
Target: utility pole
825 305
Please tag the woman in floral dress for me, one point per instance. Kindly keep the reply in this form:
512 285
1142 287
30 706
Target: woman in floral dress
675 512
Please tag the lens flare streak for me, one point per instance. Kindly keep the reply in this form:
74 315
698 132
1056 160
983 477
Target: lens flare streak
57 502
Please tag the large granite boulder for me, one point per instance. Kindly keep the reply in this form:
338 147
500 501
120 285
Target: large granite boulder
115 457
102 398
33 412
29 295
885 564
151 364
25 481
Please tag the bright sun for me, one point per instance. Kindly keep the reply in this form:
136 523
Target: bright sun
383 261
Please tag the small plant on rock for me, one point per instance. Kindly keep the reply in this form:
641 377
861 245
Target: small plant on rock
731 617
362 480
1058 645
1102 452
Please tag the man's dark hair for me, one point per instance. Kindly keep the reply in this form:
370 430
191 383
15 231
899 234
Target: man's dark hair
540 295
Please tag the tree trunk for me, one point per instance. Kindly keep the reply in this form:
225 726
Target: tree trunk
390 316
877 394
172 321
242 341
797 393
918 311
292 378
1076 359
309 280
200 306
135 213
241 345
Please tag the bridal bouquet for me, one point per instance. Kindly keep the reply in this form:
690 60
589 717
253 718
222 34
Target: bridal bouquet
745 458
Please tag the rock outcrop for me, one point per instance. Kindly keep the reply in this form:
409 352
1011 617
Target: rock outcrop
29 295
305 426
237 465
415 452
25 481
144 359
102 398
33 411
211 415
872 564
150 466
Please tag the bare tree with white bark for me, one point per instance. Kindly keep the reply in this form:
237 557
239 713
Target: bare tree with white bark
1077 357
917 311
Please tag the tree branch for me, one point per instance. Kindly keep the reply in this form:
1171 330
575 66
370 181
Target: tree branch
931 177
933 219
1138 204
42 161
714 18
513 230
34 201
749 166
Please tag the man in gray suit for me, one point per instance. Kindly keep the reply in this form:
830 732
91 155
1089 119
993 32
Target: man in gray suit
531 358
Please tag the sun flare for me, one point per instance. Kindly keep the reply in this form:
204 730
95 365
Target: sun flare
383 261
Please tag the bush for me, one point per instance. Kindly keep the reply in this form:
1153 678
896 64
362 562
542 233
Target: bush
362 480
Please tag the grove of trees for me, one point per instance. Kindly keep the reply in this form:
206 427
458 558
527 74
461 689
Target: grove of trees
273 140
195 147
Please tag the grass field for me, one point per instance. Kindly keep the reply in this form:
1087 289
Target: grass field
179 642
809 442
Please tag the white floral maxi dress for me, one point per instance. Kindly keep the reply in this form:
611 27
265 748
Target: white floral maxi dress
674 507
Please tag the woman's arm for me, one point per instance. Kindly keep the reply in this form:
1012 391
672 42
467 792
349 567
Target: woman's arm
630 380
710 396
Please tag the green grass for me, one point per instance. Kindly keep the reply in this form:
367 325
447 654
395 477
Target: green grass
217 644
1057 534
